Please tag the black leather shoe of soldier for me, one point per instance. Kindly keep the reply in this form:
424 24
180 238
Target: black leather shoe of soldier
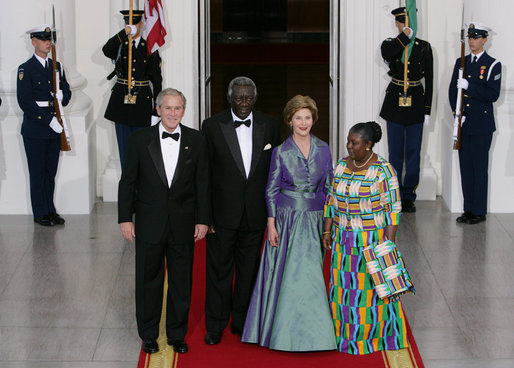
44 221
408 206
57 218
464 217
475 219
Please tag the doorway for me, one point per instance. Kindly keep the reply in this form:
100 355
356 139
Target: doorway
282 45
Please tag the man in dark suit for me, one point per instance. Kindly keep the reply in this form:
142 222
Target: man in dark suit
40 128
146 69
405 123
165 181
240 143
481 87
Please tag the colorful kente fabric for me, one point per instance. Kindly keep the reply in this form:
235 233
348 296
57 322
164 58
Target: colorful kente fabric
362 204
387 269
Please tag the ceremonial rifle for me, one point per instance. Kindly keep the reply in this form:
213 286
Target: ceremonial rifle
65 140
130 99
405 101
459 108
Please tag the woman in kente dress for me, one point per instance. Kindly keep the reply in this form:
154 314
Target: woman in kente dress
362 209
289 308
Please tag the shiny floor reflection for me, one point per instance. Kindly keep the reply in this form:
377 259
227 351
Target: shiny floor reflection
67 292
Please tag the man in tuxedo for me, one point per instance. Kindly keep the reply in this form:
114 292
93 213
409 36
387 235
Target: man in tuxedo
240 142
40 129
165 182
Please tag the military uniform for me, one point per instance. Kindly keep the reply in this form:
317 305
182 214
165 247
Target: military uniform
405 124
42 143
146 69
484 78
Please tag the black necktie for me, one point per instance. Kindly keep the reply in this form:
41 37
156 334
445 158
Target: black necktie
46 64
247 122
175 136
474 59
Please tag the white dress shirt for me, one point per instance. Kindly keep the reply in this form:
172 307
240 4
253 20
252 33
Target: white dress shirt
477 55
43 61
244 137
170 149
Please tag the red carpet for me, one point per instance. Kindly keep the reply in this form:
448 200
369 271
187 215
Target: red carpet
233 353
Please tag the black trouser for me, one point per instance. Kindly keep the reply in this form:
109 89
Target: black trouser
228 249
150 271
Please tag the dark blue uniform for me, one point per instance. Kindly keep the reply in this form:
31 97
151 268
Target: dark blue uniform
42 144
405 124
484 77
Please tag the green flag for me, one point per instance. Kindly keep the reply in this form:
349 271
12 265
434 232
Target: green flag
413 23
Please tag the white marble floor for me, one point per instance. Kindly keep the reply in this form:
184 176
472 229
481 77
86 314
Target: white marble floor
67 293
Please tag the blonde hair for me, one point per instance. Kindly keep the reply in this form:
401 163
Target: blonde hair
299 102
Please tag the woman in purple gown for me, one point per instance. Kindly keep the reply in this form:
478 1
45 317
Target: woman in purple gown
289 308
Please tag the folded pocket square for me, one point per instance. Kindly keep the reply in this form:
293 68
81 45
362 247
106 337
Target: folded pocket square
267 147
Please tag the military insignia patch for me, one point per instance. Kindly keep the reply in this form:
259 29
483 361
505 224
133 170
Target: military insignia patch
20 74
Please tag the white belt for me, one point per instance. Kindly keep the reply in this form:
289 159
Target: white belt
45 103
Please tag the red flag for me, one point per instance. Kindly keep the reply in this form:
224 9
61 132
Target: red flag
155 25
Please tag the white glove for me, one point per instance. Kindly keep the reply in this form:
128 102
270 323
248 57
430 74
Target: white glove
462 83
411 32
462 121
155 120
427 120
132 31
58 95
56 127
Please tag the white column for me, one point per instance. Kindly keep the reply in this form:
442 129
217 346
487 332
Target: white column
75 190
501 170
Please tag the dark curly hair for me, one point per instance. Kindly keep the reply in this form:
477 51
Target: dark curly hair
368 131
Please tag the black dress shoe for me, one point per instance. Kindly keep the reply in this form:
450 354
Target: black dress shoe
212 338
408 206
180 346
44 220
56 218
150 346
236 330
464 217
475 219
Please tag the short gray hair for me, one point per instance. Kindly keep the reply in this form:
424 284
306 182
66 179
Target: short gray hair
170 92
241 81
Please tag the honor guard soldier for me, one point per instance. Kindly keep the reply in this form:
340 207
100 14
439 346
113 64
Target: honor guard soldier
40 128
405 119
130 114
481 87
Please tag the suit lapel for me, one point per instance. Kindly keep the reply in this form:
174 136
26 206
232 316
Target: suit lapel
229 132
154 148
257 143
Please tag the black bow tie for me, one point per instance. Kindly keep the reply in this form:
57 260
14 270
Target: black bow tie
175 136
247 122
